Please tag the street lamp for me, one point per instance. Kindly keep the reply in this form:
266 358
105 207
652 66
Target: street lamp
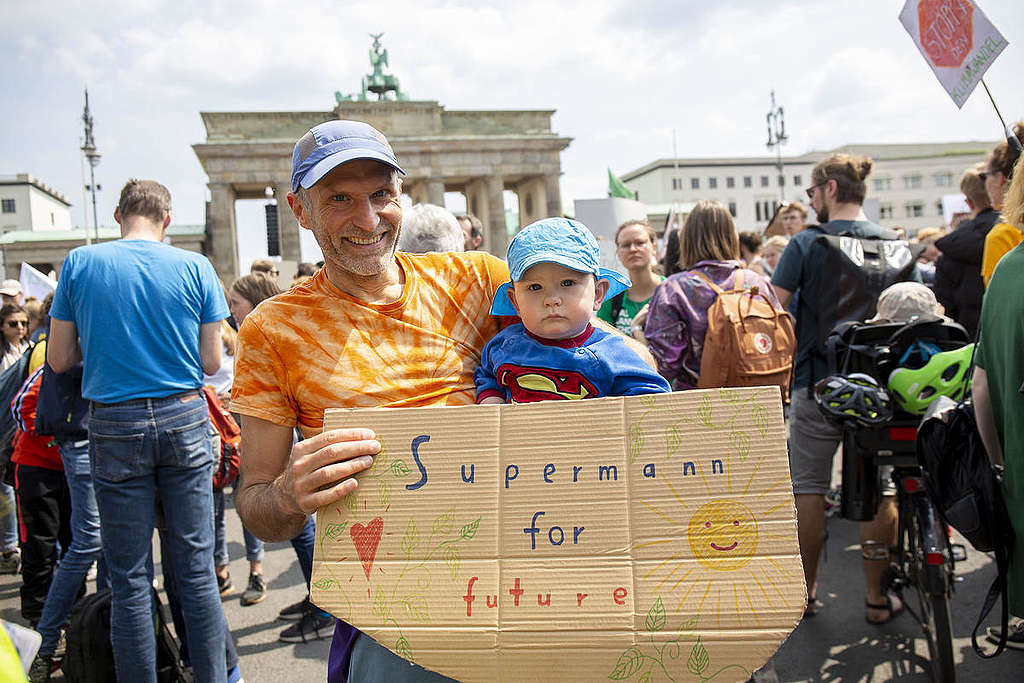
776 138
89 149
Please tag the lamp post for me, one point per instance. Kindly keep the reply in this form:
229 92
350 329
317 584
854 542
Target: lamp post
776 138
89 149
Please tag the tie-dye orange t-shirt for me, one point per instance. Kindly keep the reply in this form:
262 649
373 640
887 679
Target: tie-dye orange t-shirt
315 347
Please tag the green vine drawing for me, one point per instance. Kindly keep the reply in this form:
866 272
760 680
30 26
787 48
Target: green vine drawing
653 663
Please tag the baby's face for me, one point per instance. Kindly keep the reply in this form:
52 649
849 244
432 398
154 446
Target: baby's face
556 302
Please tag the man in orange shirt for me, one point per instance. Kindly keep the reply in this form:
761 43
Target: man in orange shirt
372 328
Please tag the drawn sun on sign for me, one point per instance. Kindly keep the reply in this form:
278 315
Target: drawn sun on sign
722 576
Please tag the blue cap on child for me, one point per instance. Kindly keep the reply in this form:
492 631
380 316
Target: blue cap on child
555 240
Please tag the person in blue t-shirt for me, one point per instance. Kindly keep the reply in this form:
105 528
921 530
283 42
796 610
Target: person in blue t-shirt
148 318
556 353
836 196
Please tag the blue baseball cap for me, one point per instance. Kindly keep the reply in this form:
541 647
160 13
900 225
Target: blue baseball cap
555 240
333 143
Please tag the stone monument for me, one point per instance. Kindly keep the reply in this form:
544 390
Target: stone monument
479 153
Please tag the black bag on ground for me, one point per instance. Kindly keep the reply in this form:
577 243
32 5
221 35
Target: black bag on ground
965 488
90 655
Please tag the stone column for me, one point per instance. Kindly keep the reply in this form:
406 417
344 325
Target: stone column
221 238
476 204
533 201
287 226
554 194
494 221
435 191
417 191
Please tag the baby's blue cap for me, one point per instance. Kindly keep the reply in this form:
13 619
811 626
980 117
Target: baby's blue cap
555 240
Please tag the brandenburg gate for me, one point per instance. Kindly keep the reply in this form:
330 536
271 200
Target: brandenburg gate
478 153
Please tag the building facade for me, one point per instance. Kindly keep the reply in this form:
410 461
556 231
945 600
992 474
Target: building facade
26 203
907 181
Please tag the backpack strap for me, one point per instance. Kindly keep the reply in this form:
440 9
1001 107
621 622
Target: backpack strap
996 590
617 305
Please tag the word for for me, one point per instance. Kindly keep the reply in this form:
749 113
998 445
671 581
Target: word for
543 599
533 530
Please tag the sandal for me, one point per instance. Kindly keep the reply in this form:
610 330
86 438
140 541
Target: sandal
887 607
812 607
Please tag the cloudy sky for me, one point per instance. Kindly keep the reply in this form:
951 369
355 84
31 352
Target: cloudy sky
622 74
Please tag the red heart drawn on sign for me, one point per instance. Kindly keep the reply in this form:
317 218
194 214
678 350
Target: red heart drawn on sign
366 539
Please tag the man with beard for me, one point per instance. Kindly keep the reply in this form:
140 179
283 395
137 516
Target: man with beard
836 197
372 328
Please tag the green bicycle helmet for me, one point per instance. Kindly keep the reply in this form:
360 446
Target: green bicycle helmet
945 374
853 400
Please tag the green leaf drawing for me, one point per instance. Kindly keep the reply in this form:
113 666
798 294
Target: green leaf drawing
381 459
323 583
444 522
402 648
645 677
740 442
453 560
730 396
383 492
399 468
411 539
704 411
380 604
655 616
334 530
416 608
690 623
648 401
673 440
469 531
629 663
761 420
697 663
350 502
636 442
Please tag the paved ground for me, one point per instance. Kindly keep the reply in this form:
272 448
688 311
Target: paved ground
836 645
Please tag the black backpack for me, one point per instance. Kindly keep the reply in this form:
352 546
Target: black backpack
11 380
964 487
90 656
852 274
61 412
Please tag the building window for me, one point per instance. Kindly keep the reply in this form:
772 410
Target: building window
912 182
943 179
885 211
782 181
713 183
732 209
757 210
915 209
730 182
677 184
747 181
798 180
938 207
883 183
7 205
694 183
764 181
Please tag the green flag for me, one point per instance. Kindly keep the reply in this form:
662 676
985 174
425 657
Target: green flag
617 188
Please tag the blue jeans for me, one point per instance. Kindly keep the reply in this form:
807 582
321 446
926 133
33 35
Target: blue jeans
303 546
253 546
86 546
137 448
220 528
8 519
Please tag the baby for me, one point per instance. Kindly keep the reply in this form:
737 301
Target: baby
555 353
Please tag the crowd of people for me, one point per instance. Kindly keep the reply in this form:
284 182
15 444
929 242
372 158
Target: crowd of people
128 362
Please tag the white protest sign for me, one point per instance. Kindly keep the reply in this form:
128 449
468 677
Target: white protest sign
957 40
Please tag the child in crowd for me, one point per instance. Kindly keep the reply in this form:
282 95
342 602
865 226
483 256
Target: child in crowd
555 352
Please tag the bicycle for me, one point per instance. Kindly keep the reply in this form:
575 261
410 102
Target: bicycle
924 559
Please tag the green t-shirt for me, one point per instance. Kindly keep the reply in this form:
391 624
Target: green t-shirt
1001 354
629 310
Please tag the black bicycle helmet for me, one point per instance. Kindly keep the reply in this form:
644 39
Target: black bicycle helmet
853 399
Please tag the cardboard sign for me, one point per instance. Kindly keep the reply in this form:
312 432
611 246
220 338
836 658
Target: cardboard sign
648 538
957 40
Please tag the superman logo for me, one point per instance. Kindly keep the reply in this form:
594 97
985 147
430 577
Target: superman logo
529 385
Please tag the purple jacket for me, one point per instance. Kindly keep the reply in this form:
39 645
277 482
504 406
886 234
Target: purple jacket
677 319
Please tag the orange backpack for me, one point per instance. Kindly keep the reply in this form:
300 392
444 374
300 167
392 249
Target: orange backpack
227 440
749 342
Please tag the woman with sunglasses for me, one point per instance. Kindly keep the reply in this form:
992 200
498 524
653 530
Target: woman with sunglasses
998 172
14 320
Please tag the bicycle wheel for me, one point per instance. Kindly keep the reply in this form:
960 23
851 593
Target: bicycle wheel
932 583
